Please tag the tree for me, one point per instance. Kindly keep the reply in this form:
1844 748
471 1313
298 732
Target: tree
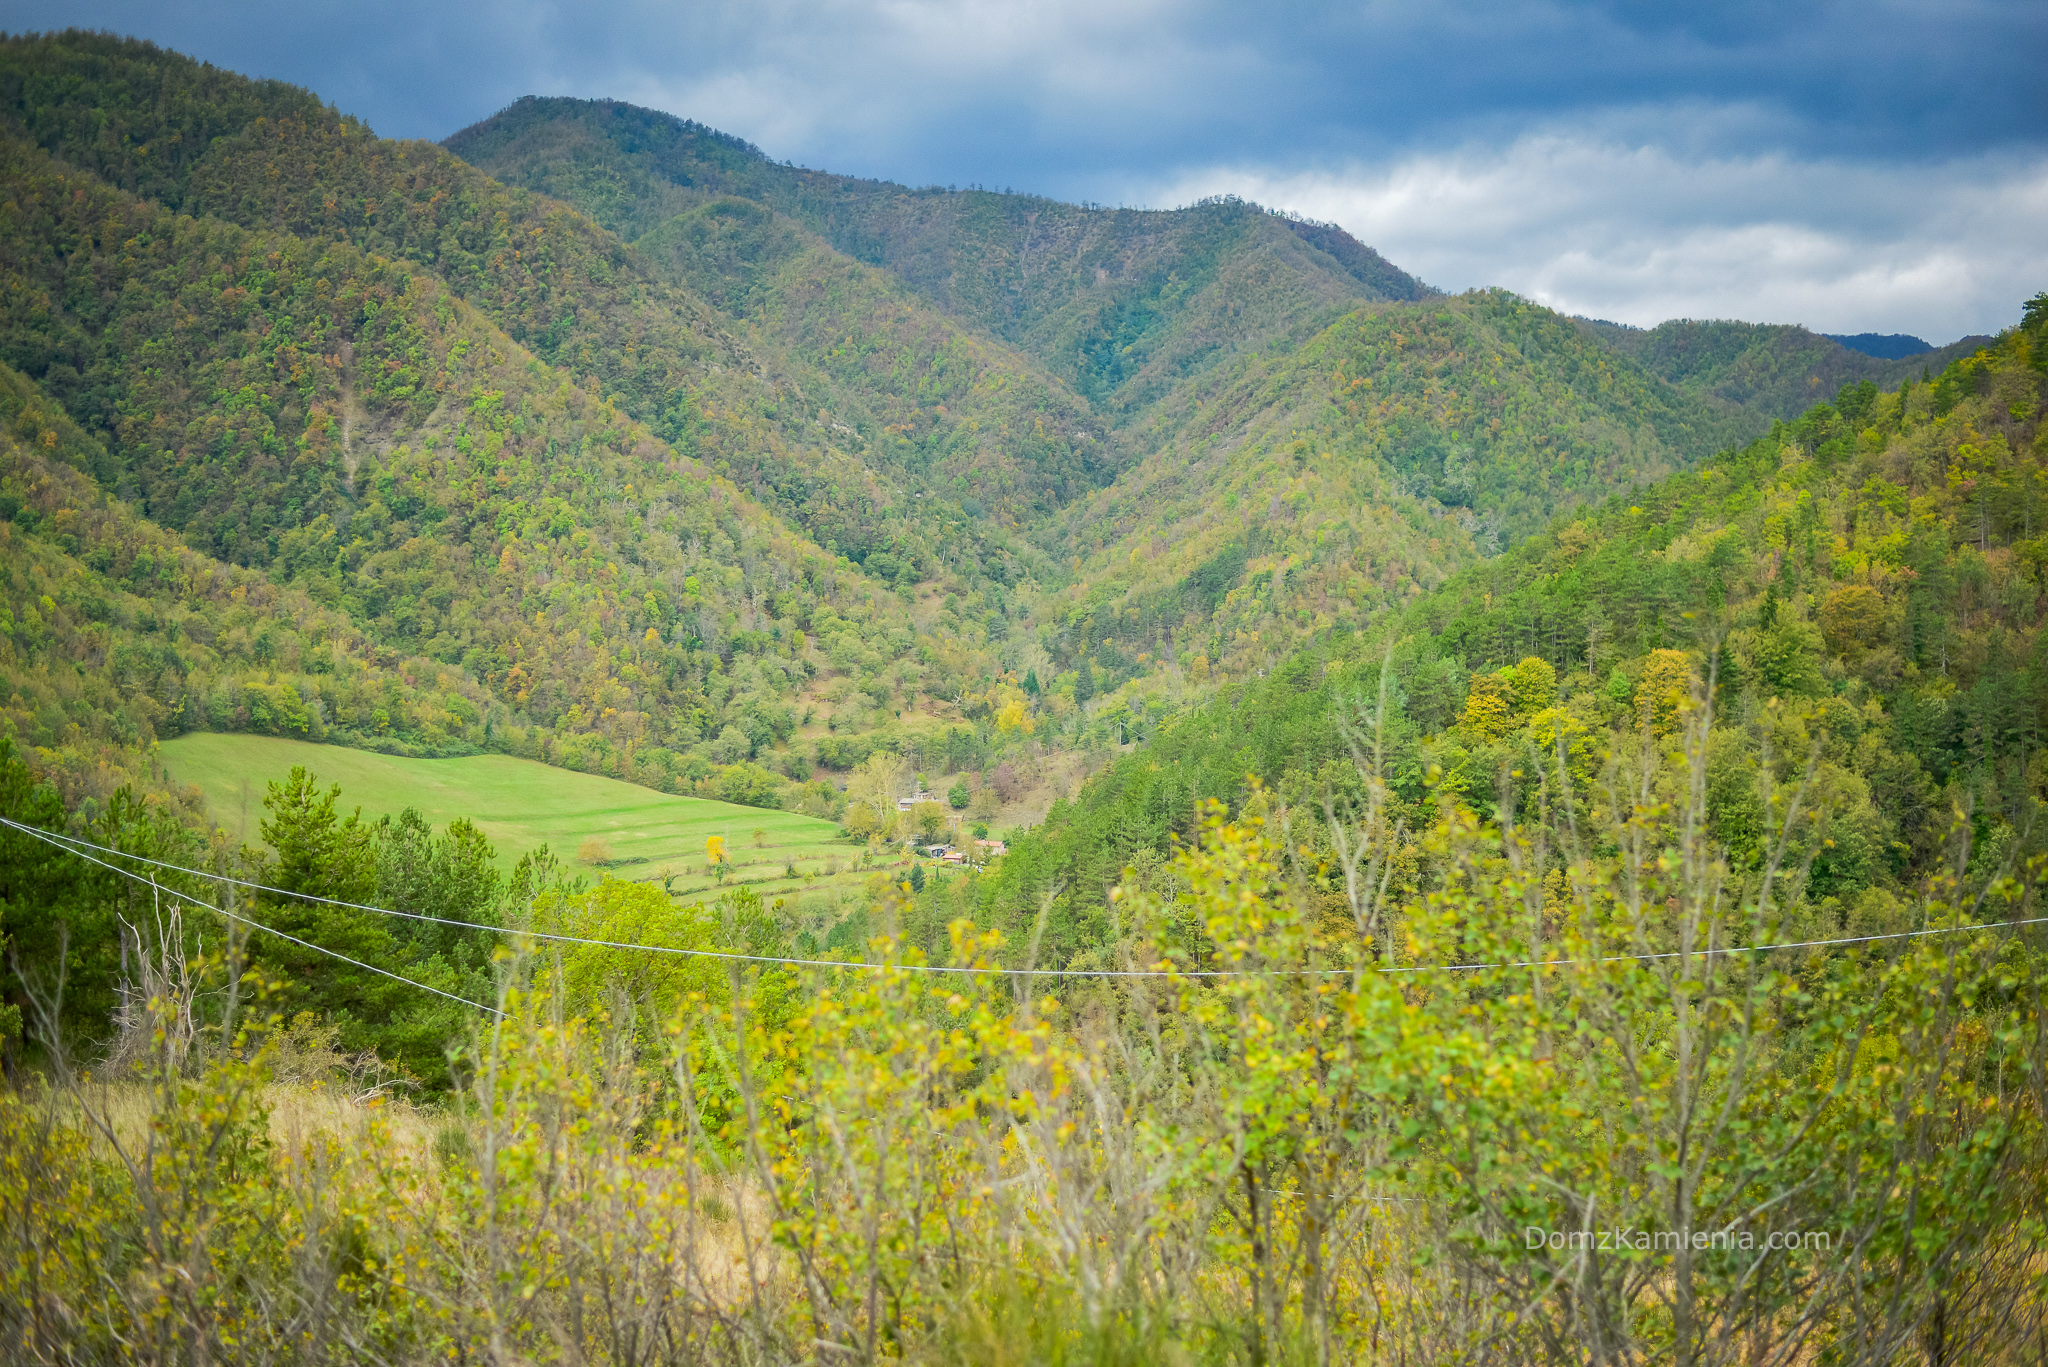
930 819
317 850
1853 619
60 917
1666 683
874 785
1489 706
453 877
715 857
326 856
1534 685
917 878
958 796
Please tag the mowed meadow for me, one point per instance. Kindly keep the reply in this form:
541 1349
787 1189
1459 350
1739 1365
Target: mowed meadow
632 832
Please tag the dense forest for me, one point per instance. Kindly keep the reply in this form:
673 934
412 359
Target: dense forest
1413 772
1862 588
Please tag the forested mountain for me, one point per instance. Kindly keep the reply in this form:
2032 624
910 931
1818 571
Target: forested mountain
347 422
1117 303
1778 370
1437 699
944 413
1502 428
677 461
1890 346
1315 488
1862 591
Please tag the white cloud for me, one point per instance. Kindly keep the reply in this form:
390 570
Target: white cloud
1640 234
1636 162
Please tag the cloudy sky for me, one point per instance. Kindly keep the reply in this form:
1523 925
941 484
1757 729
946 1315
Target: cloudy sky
1877 166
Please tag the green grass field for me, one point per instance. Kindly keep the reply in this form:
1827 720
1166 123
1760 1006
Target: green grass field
520 804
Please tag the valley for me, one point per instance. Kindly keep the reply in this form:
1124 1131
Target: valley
909 774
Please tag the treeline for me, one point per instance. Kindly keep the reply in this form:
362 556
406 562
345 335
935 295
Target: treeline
1774 368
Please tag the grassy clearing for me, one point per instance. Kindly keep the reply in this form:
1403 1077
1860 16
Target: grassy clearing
521 804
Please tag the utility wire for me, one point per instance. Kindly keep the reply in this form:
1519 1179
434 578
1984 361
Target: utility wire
60 841
232 916
1728 949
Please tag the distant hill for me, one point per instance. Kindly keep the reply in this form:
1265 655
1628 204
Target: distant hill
1117 302
1283 495
1888 346
1779 369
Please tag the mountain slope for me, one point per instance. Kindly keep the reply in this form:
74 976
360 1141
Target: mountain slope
1218 360
114 633
1118 303
345 423
1330 482
1102 453
571 292
1867 587
956 414
1780 370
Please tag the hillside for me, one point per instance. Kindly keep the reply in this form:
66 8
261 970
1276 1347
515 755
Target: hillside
1479 433
1117 303
114 633
1865 588
1324 486
485 629
851 471
1778 370
345 424
808 467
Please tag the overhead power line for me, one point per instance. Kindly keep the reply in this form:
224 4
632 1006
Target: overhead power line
78 846
234 916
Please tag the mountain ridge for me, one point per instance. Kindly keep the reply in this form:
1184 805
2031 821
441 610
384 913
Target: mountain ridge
1050 472
1780 369
1119 278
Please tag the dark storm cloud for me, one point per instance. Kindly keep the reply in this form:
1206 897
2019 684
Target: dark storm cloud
1347 106
1048 93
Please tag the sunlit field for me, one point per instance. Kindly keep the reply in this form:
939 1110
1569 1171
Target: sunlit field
521 804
